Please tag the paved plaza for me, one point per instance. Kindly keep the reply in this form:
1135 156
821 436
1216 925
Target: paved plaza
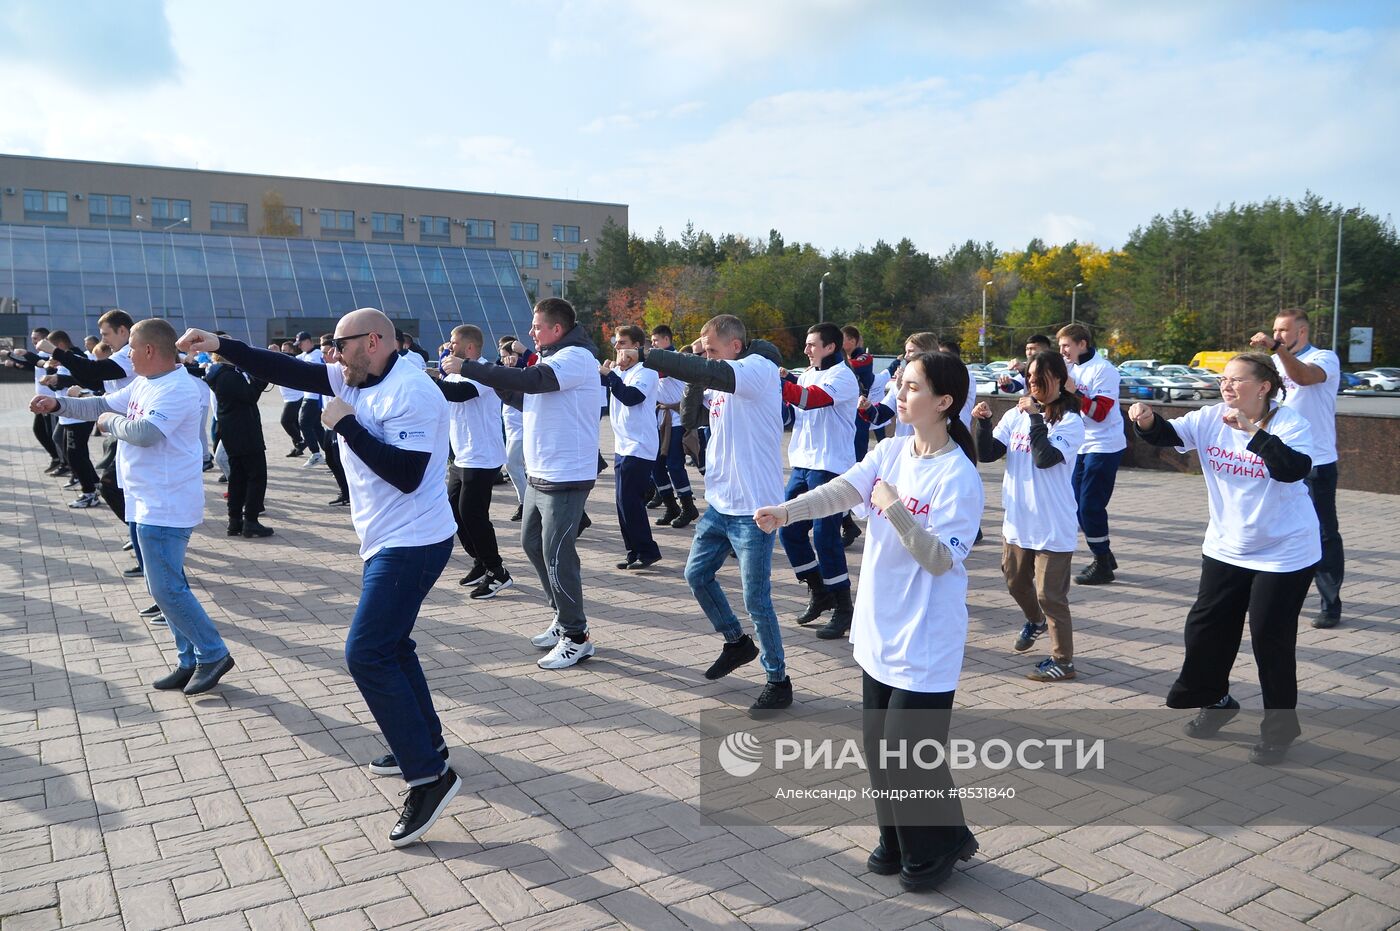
251 806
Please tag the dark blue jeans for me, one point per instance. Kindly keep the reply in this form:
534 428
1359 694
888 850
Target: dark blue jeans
1094 475
829 556
383 661
715 534
633 479
1322 485
669 472
862 439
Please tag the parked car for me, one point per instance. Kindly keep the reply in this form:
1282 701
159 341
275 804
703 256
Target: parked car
1350 382
998 366
1149 364
1131 386
1215 361
1381 379
986 384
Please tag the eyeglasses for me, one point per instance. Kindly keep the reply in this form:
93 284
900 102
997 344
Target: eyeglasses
1232 382
340 342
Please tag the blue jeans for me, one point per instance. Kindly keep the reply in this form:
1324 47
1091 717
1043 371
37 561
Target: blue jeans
382 659
715 533
1322 486
669 472
135 545
1094 475
829 557
163 552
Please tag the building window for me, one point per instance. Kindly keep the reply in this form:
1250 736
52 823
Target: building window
293 215
566 234
227 216
338 223
481 230
557 287
109 209
386 225
45 205
525 258
525 232
561 260
171 213
532 287
434 229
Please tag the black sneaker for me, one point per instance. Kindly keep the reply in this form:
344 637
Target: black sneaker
207 675
296 452
150 611
922 878
135 572
775 697
849 531
1326 621
733 656
174 679
252 529
519 513
339 501
491 584
881 862
583 524
477 573
1208 722
1028 636
422 808
386 765
642 562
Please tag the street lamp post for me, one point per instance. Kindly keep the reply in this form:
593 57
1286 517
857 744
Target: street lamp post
1337 283
982 336
1073 301
564 266
166 229
821 298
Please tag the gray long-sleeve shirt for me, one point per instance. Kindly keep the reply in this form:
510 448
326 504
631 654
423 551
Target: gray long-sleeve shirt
135 432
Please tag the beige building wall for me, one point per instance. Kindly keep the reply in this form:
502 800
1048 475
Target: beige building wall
142 183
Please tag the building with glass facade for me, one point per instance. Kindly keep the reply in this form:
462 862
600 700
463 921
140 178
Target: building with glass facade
262 256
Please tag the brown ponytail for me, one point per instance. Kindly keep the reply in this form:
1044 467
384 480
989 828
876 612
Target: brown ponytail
946 374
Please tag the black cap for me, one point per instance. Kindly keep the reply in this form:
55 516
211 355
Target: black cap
302 335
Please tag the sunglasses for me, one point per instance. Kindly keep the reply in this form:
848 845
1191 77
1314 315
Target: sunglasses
340 342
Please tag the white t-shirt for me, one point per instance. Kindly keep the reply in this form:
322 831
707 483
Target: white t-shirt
1039 503
513 419
1317 403
40 373
635 427
164 483
1255 522
408 411
970 401
289 394
910 625
892 402
744 460
670 390
1098 378
561 427
415 360
824 438
316 357
476 428
123 358
63 421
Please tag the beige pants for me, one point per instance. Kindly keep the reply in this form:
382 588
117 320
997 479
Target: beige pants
1039 581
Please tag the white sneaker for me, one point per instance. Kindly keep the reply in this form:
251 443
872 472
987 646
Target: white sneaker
566 653
552 635
88 500
313 460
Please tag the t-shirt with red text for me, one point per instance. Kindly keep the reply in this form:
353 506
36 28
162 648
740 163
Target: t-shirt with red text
910 625
1041 513
1255 522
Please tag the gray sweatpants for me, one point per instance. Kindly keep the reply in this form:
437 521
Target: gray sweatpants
548 529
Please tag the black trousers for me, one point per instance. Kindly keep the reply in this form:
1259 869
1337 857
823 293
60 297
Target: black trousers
893 715
312 433
75 438
1215 626
43 432
1322 486
60 442
469 491
291 421
633 477
337 467
107 485
247 485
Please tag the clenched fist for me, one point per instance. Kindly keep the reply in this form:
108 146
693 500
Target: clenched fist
43 405
335 411
452 365
196 341
1262 341
982 411
1027 405
1239 420
770 519
884 495
1141 415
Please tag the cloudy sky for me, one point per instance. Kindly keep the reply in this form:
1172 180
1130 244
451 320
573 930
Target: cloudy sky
838 122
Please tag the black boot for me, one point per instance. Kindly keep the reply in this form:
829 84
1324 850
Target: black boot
849 530
658 498
819 600
1098 572
673 510
840 621
235 527
251 528
688 513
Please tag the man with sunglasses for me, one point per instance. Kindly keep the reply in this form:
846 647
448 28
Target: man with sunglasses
393 422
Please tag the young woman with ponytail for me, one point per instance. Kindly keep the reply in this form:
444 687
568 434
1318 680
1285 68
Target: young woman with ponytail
1040 438
925 499
1260 550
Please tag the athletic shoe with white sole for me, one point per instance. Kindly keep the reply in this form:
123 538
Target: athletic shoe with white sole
425 803
550 638
313 460
387 765
491 584
86 500
566 653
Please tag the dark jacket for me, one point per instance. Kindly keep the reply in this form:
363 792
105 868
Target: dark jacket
236 400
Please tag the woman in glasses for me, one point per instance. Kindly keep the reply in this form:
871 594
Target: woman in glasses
1260 550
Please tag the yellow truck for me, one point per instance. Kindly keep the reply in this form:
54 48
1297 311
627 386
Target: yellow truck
1215 361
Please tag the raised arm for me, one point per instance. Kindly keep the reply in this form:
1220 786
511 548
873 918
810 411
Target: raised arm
536 379
692 369
276 367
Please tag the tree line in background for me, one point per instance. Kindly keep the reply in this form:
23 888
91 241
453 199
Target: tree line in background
1180 284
